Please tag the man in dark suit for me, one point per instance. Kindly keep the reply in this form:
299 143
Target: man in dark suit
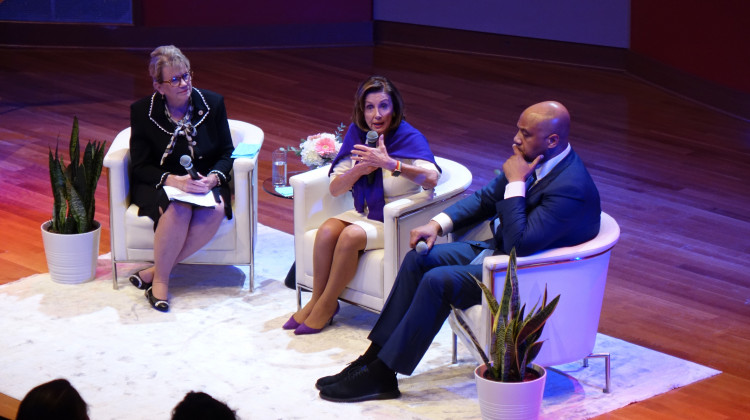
544 198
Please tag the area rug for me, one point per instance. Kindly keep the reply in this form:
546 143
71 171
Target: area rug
131 362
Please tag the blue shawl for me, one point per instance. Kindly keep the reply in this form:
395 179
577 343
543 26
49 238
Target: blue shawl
404 143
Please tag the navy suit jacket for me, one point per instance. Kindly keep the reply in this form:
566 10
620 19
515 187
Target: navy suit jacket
562 209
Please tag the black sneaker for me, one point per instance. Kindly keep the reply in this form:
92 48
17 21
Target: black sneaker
362 384
330 380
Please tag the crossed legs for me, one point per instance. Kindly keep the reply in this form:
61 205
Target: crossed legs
182 230
335 257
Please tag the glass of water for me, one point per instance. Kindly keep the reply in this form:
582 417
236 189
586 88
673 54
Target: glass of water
278 168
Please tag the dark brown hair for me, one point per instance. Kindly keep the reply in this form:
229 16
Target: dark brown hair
375 84
199 406
55 400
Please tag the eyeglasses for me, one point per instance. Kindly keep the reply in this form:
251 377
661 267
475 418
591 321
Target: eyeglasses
175 81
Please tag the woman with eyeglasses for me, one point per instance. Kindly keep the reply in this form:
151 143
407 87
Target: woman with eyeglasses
176 121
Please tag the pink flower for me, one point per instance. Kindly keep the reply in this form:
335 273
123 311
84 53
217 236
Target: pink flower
325 146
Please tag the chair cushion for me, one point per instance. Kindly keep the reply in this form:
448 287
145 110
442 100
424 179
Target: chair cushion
369 269
140 233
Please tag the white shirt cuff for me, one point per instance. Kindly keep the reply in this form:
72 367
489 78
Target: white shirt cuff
445 222
515 189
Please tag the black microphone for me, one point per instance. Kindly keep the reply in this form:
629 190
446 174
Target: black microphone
372 141
186 162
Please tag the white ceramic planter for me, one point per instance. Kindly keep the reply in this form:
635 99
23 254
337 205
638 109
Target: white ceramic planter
71 259
510 401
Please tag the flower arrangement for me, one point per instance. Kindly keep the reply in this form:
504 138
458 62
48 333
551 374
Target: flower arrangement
319 149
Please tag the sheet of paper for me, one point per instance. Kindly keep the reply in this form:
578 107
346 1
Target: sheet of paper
204 200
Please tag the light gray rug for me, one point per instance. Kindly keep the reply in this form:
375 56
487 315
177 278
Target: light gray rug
131 362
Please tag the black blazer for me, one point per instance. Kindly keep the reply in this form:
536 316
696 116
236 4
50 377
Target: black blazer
151 131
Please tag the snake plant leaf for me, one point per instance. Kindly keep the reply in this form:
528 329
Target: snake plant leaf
505 304
74 149
515 334
74 185
491 301
538 319
532 352
57 179
93 159
77 209
465 326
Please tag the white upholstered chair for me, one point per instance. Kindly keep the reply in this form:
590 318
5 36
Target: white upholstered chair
377 269
132 237
577 273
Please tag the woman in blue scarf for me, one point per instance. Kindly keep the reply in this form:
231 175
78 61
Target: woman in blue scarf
398 164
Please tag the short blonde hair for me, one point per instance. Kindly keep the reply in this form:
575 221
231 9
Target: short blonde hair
166 55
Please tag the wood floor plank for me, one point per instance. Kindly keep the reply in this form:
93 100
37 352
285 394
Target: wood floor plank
671 172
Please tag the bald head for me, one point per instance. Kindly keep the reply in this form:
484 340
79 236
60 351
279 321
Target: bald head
553 117
543 130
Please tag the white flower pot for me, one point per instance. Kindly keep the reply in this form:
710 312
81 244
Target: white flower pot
71 259
510 400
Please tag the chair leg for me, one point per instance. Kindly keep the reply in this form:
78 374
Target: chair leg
252 277
454 357
606 367
114 275
299 298
252 270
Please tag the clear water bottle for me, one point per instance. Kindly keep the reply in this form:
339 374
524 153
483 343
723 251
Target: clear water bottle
278 169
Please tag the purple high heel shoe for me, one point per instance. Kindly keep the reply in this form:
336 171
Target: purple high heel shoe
303 329
291 324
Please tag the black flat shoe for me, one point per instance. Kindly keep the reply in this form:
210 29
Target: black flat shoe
330 380
362 384
159 305
138 282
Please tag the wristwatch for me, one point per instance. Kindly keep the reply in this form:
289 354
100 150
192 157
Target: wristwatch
397 171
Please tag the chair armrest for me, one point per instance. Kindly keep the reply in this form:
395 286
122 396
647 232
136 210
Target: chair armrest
313 204
245 183
403 215
117 162
243 165
609 234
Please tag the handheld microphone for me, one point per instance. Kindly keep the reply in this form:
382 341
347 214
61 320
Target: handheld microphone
422 248
187 163
372 141
372 138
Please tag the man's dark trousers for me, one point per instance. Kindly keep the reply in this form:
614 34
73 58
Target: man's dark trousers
419 303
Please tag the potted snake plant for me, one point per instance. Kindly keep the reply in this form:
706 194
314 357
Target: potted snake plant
509 386
71 236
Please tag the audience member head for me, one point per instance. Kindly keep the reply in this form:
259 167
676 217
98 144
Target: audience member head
201 406
376 84
55 400
543 130
166 55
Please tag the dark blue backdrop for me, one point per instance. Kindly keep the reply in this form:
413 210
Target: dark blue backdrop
67 11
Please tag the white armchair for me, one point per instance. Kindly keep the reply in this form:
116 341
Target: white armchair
377 269
132 237
577 273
